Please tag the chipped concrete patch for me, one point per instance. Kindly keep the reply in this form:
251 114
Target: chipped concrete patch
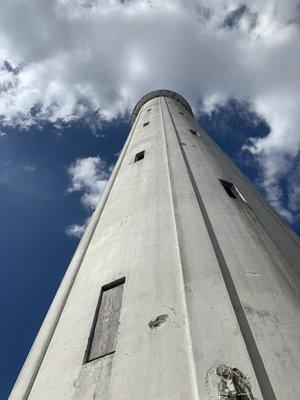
224 381
155 323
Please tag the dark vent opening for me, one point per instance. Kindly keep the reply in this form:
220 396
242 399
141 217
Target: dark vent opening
193 132
149 109
139 156
229 187
146 123
181 113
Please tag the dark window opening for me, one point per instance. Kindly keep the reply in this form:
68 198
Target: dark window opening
181 113
146 123
103 338
149 109
139 156
193 132
229 187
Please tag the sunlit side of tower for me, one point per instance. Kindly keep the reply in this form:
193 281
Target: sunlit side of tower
185 284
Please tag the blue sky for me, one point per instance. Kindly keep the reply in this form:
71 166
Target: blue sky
65 100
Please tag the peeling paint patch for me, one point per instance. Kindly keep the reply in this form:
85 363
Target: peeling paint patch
172 309
155 323
252 274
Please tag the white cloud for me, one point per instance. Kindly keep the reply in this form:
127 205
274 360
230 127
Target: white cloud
89 177
70 57
75 230
29 168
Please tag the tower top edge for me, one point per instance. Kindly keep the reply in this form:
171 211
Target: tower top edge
160 93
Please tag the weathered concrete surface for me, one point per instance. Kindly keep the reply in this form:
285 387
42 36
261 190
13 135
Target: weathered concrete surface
209 279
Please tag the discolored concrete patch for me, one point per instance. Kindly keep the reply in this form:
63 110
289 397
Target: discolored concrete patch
155 323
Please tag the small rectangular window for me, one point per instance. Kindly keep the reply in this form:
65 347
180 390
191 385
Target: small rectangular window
146 123
139 156
103 337
193 132
230 189
149 109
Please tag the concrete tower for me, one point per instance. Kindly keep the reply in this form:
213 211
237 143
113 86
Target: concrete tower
184 285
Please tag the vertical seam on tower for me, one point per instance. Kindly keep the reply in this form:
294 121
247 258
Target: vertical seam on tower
188 328
254 355
33 378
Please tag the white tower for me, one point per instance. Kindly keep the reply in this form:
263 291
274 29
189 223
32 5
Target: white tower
184 286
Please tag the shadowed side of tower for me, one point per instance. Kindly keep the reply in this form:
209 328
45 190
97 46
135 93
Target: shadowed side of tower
184 285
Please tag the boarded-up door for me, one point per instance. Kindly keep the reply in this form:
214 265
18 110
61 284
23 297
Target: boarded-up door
106 323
